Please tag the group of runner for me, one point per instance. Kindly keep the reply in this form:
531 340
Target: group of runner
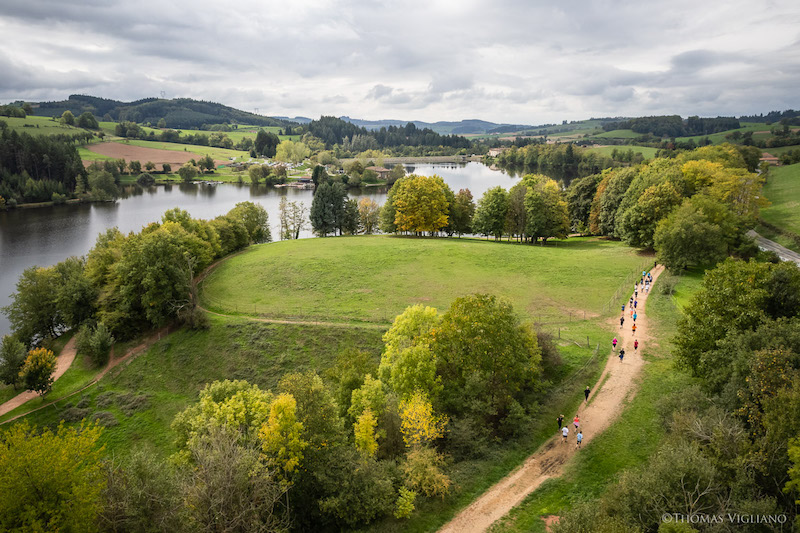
644 285
565 429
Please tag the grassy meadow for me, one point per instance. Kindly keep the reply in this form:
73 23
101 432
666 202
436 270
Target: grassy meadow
373 278
40 126
783 191
646 151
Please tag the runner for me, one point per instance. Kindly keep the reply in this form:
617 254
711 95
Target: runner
614 344
576 421
634 316
635 345
621 321
630 302
586 393
633 329
623 308
565 433
635 304
621 355
580 439
560 420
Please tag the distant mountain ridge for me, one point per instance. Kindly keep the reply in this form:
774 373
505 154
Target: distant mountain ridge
178 113
462 127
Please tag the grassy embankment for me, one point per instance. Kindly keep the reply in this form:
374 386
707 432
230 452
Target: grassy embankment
362 279
635 435
783 191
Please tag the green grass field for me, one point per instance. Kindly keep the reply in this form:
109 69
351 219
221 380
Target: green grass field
617 134
242 132
783 190
373 278
629 441
646 151
719 138
40 126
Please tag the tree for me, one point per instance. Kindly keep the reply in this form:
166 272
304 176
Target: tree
610 192
231 489
422 472
255 220
461 212
637 225
368 215
292 152
266 143
420 204
516 216
166 167
327 208
68 118
149 166
484 355
12 357
206 164
388 214
319 176
398 171
258 173
491 212
369 396
701 231
419 424
281 437
33 312
37 370
350 218
135 167
162 123
580 195
546 211
55 478
75 294
410 328
102 186
364 430
187 172
87 120
794 472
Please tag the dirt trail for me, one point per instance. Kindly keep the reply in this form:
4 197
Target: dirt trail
113 361
63 362
605 404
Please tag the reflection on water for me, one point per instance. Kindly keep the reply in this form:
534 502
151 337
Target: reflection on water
48 235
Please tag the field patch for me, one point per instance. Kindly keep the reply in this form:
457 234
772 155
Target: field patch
134 152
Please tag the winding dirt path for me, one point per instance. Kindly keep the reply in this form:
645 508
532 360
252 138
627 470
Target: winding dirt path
113 361
63 362
617 384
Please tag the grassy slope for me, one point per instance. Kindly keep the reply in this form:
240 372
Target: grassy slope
783 190
617 134
40 126
630 440
374 278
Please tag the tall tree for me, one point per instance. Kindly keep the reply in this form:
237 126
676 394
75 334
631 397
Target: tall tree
12 357
327 208
461 212
546 211
421 204
491 212
368 215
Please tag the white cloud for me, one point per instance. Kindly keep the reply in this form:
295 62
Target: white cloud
505 61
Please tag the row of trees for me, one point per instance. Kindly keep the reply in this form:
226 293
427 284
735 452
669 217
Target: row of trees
674 126
733 441
561 161
359 443
131 283
693 209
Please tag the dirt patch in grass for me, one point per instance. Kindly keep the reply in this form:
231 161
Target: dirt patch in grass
129 152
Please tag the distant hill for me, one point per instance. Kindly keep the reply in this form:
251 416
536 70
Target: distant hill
179 113
462 127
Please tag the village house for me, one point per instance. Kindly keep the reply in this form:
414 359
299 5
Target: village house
383 173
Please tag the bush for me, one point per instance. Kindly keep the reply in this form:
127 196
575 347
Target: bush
59 199
95 342
145 179
194 318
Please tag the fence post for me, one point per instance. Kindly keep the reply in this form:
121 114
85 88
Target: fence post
588 345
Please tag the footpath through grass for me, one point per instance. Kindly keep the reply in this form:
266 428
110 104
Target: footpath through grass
631 439
374 278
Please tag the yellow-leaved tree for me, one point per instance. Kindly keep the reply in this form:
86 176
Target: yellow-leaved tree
364 430
419 424
420 204
281 437
37 371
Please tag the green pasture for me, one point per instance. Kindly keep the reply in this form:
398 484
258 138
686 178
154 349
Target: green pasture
373 278
719 138
617 134
34 125
783 191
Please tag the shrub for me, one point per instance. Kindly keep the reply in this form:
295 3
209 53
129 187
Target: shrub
145 179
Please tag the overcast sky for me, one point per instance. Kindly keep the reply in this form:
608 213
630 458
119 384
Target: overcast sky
516 61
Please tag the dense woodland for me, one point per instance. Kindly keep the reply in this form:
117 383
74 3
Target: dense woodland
675 126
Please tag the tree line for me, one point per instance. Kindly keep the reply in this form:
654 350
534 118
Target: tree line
561 161
674 126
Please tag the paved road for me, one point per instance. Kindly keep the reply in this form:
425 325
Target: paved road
765 244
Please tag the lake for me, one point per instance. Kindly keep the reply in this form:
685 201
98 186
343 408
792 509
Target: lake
47 235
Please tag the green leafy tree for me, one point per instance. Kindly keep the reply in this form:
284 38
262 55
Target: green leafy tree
580 195
33 311
398 172
350 218
517 216
370 395
102 186
546 211
461 212
484 354
319 176
87 120
206 164
610 192
292 152
255 220
75 294
68 118
316 409
187 172
135 167
423 472
793 485
491 212
166 168
388 213
410 328
37 370
56 479
12 357
638 223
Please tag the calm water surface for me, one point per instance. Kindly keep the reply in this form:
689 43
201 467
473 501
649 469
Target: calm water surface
48 235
